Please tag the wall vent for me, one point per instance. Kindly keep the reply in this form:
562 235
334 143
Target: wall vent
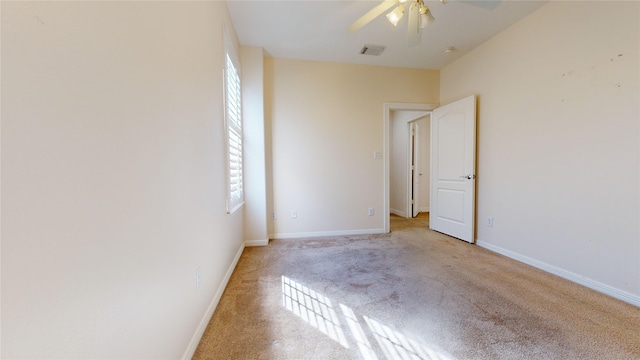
374 50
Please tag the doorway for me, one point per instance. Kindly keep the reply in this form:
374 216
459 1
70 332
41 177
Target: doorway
418 169
409 163
397 117
452 163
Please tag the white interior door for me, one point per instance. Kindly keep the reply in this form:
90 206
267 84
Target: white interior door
415 169
453 154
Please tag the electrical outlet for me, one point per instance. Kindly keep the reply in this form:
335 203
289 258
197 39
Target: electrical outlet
294 214
490 222
198 277
371 211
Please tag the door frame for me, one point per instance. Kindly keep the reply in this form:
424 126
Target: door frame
386 131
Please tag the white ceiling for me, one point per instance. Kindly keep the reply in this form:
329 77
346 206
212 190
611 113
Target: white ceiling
316 29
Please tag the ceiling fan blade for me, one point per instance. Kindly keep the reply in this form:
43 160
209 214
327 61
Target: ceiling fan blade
414 34
372 14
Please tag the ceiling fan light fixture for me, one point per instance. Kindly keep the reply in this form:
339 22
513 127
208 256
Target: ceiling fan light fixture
396 15
426 18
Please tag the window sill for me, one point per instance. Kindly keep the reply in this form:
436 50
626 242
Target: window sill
236 209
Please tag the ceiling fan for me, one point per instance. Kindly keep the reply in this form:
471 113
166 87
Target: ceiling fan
419 15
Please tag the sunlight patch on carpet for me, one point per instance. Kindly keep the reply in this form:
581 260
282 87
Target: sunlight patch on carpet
397 346
318 311
314 308
358 333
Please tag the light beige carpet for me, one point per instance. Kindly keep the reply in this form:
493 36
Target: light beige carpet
410 294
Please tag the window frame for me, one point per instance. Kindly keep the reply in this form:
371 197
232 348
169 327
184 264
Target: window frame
234 201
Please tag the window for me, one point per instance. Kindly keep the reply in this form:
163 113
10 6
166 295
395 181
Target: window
233 120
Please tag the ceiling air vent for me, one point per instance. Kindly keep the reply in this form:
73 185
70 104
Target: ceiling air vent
374 50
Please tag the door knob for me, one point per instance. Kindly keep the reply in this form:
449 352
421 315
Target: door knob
468 177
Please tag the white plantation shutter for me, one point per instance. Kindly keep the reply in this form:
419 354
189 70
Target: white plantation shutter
233 118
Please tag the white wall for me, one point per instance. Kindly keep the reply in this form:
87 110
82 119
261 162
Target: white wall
558 141
398 164
255 208
326 122
113 178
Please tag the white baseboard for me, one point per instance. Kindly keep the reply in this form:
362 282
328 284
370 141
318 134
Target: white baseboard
264 242
326 233
195 340
424 209
398 212
584 281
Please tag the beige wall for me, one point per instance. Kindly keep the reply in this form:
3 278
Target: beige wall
558 141
113 177
326 121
